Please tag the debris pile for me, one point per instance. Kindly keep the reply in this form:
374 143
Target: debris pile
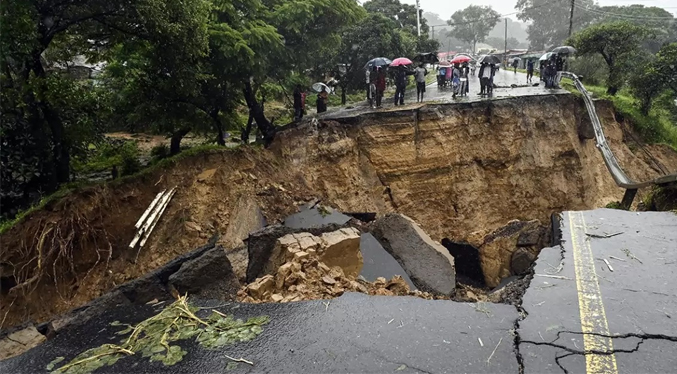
324 267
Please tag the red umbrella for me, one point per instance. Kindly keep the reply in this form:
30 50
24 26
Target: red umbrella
460 59
401 61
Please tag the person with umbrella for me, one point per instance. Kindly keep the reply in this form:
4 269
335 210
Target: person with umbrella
380 85
419 74
515 63
401 78
321 101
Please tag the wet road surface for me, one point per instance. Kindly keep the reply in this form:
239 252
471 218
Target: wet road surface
576 304
577 316
509 84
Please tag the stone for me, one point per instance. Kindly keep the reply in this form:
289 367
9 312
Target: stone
328 280
262 244
521 261
238 259
498 247
428 263
206 175
301 255
261 286
317 216
277 297
342 248
20 341
209 276
533 237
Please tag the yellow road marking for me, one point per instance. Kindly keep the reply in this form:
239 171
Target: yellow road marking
591 308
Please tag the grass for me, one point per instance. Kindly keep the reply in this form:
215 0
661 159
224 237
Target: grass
656 127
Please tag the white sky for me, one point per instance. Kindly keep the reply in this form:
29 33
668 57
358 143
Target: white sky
445 8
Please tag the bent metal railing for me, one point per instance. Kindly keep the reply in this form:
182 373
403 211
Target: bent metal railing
617 173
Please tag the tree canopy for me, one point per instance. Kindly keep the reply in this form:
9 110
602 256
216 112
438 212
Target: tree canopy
617 42
473 23
549 21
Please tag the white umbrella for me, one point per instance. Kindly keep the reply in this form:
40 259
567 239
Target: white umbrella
317 87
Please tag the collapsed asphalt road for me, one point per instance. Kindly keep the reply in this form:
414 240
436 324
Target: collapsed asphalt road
576 316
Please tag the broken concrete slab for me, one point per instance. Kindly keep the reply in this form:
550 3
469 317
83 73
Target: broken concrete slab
379 263
428 263
467 262
20 341
314 217
245 218
209 276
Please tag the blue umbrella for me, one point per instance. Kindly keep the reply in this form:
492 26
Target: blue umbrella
378 61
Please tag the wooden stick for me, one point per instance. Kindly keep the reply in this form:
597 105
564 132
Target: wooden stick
150 207
157 218
240 360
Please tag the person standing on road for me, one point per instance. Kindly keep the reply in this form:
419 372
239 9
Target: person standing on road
484 75
380 85
530 70
400 84
465 82
419 74
298 103
493 70
321 102
515 63
367 75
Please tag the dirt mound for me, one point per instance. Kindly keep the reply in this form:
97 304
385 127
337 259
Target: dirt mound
460 171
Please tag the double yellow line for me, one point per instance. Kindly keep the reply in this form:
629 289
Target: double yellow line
590 305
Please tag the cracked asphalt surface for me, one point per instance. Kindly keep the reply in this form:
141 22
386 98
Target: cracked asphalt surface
638 297
577 316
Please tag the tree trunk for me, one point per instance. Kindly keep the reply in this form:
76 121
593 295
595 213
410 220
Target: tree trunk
60 146
343 95
248 129
175 144
611 90
219 128
265 127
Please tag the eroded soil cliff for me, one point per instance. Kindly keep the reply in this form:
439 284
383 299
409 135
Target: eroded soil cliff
461 171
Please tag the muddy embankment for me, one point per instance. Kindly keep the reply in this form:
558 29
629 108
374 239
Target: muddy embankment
461 171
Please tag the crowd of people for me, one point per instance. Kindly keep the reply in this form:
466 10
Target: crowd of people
455 76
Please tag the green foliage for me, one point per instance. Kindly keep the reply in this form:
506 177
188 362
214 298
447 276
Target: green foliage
614 205
473 23
591 68
109 153
659 21
549 21
403 14
616 42
153 338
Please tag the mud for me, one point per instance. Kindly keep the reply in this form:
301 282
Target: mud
460 171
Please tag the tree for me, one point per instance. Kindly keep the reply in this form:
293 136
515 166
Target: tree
473 23
616 42
659 21
549 21
56 111
371 37
404 15
665 66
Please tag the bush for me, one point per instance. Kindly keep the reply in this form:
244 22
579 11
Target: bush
593 69
129 154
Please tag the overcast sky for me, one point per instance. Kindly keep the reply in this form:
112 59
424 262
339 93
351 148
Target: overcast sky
446 7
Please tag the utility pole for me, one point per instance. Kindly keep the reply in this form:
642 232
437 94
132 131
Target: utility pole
433 28
571 17
505 41
418 20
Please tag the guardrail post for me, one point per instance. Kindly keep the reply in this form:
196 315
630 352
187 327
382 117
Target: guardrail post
628 197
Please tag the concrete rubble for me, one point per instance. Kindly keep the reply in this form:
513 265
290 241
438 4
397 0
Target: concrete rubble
427 262
19 341
311 267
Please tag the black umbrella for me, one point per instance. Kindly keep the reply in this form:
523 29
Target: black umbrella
489 59
378 61
564 50
430 58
